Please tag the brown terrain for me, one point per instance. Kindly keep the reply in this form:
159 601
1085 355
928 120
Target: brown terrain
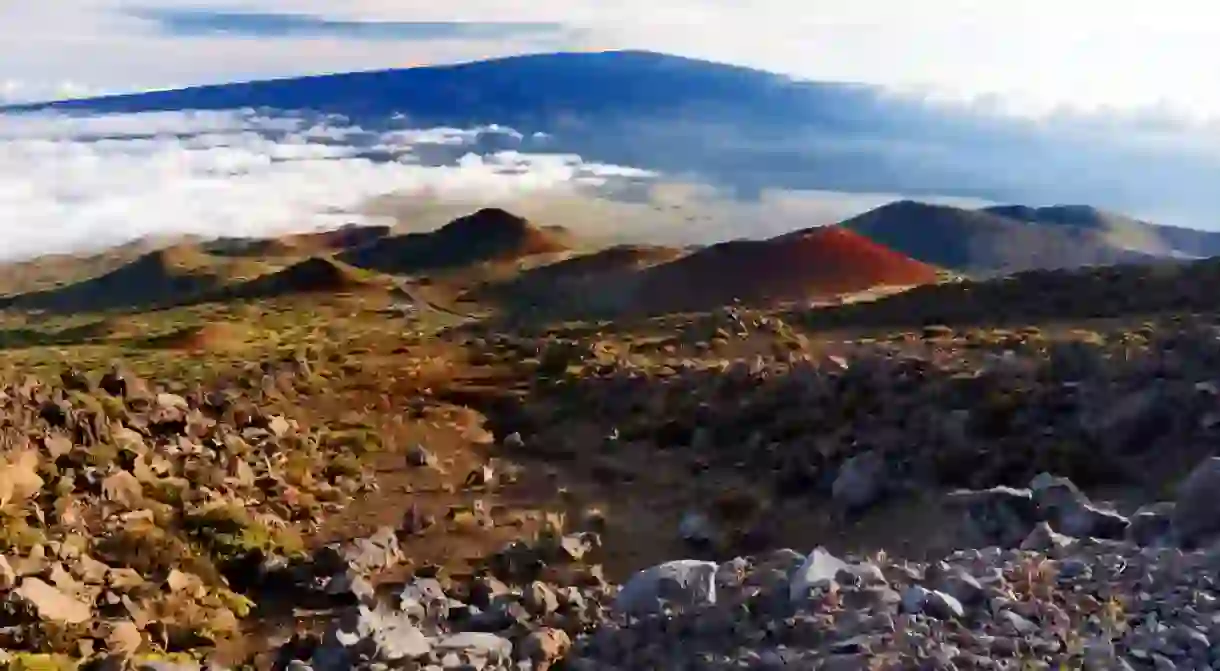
319 242
595 282
486 236
235 457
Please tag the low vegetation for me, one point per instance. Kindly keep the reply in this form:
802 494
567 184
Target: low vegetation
184 471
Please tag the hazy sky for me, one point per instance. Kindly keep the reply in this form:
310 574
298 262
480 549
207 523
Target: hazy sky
1159 59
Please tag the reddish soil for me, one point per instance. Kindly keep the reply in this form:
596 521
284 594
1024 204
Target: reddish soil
575 273
612 259
812 263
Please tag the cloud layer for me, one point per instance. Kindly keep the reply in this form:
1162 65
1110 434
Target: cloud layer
69 182
84 182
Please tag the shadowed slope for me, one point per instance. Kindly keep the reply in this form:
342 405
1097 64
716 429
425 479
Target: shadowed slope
610 260
1038 296
806 264
980 242
1119 230
598 277
157 278
313 275
299 244
488 235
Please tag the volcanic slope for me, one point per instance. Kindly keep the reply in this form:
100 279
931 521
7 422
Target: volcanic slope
486 236
300 244
601 278
1061 296
984 243
1119 230
153 279
315 275
807 264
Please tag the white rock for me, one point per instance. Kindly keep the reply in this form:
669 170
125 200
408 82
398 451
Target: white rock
52 604
476 643
819 570
377 552
391 636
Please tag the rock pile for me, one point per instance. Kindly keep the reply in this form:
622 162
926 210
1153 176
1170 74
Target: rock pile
130 514
1057 581
1087 603
955 410
1053 508
523 611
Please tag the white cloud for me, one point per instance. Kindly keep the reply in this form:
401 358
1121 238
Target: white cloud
1035 56
68 183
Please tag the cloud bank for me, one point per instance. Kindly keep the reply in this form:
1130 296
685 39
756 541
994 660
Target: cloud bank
70 183
74 183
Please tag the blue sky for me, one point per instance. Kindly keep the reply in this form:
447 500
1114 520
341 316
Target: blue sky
197 22
1030 57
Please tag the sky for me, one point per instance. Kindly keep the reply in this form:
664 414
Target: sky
1130 71
1033 57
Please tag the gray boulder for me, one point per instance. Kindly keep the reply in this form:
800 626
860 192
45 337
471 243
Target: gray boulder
917 600
697 528
1045 539
1000 516
681 583
1061 503
860 482
1152 525
819 571
1196 513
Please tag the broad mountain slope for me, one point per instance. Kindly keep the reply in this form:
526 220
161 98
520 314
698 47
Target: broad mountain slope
1120 230
156 278
814 263
488 235
299 244
984 243
598 281
729 126
312 275
1075 296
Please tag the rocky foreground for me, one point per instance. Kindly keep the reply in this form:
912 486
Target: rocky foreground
1123 593
144 525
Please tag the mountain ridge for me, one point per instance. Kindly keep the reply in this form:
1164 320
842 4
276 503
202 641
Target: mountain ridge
740 129
982 242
